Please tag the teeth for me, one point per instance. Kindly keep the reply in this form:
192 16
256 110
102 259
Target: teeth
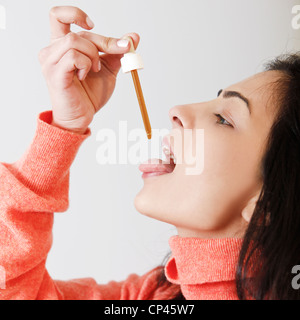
173 158
167 152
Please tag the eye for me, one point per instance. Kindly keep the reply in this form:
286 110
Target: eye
222 120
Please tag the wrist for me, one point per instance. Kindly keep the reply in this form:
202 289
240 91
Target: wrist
69 128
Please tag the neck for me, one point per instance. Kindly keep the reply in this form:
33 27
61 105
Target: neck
232 231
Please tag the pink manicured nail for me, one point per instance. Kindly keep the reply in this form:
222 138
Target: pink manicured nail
89 22
123 43
81 74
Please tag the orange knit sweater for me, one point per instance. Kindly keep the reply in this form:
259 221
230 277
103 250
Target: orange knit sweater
37 185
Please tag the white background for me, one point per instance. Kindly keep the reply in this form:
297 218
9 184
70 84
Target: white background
191 49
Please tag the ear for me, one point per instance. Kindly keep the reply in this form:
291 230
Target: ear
247 212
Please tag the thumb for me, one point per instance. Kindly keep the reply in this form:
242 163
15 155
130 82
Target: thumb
114 60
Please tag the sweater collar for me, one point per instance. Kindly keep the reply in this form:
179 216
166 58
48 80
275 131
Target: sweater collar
198 261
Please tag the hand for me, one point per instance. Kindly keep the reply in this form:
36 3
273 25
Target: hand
80 81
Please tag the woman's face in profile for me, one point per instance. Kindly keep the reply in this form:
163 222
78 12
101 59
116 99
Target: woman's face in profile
235 125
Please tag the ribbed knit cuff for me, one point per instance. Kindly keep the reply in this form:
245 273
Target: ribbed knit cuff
50 155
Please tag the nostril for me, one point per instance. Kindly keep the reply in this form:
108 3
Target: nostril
177 120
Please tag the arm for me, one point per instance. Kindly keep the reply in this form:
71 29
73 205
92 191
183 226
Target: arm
30 190
135 287
37 185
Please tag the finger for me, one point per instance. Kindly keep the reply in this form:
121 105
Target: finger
74 60
108 44
135 38
73 41
62 16
113 60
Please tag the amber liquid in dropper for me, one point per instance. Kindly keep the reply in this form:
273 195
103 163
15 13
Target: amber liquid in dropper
140 96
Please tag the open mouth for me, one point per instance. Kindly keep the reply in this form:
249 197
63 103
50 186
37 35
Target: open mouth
157 167
169 154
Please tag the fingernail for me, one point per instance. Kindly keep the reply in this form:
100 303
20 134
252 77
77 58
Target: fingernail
81 74
89 22
99 66
123 43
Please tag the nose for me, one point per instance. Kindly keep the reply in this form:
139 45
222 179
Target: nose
182 117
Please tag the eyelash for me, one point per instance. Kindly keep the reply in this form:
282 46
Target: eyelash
220 117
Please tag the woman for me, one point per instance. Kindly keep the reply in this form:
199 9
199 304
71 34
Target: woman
238 221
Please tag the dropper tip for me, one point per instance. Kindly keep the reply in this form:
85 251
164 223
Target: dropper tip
149 135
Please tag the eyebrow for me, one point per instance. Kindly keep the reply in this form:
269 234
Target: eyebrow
235 94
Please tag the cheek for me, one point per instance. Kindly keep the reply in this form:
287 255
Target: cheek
219 193
231 157
229 177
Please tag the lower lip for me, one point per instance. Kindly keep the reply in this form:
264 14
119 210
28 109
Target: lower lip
152 174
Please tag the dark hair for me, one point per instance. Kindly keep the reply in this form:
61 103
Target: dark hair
271 245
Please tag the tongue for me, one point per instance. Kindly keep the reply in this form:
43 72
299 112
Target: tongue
157 165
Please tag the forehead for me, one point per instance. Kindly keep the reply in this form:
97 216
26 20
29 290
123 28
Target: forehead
260 89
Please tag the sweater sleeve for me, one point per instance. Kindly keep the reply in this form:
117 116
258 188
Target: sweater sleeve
135 287
31 189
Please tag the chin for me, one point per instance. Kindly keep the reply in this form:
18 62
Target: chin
139 203
143 205
149 207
